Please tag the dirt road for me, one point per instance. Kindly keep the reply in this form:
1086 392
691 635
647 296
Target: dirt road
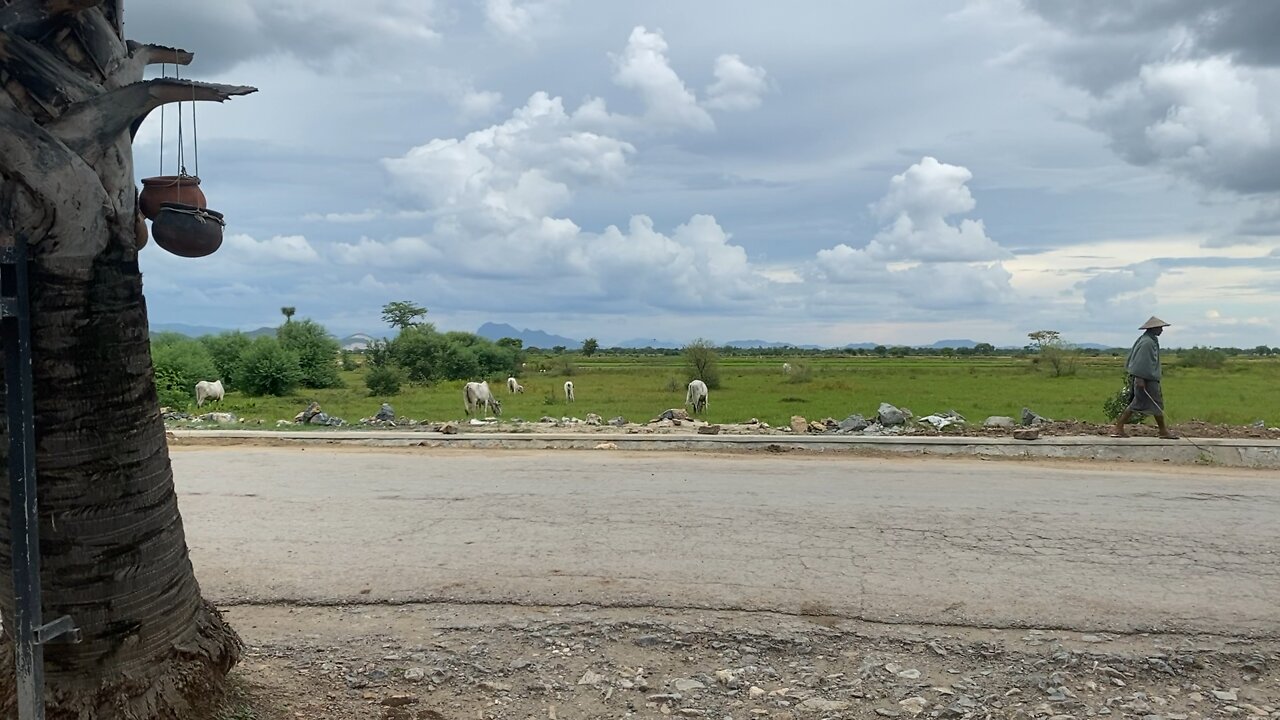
984 544
449 585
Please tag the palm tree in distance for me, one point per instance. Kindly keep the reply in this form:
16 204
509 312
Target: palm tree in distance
288 311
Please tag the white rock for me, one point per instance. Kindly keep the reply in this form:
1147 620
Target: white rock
755 692
913 705
686 685
590 677
1225 695
822 705
911 674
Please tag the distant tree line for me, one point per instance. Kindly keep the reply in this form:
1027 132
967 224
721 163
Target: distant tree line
301 353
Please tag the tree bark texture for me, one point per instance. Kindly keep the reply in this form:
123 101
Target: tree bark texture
113 550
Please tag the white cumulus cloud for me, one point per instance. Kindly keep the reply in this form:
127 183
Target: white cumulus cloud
511 173
643 67
281 248
918 257
518 19
918 205
738 86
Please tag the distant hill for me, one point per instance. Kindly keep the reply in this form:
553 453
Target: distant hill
952 344
862 346
530 338
185 329
636 343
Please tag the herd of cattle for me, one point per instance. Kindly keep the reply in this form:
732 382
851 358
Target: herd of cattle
478 397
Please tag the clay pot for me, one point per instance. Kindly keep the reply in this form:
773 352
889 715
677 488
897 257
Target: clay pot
162 189
187 230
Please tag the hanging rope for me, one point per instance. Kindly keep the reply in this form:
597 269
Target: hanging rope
182 158
164 72
195 134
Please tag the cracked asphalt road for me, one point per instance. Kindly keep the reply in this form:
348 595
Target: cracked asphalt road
1100 547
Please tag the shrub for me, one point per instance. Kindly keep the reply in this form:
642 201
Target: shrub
316 350
564 366
1116 403
267 368
801 372
1202 357
702 362
384 381
225 350
179 362
429 356
1062 360
349 361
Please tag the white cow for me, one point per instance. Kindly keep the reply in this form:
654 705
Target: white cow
568 391
477 396
514 385
697 396
786 368
210 391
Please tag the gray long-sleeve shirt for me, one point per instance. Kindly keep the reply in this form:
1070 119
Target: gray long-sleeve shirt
1144 358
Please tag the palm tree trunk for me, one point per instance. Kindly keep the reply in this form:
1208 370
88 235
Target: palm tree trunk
114 556
113 549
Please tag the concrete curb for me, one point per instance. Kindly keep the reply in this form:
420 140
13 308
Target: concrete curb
1226 452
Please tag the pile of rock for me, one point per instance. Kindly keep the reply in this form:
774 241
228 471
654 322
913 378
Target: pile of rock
313 415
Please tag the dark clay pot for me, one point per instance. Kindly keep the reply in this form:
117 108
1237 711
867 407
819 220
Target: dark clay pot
188 231
169 189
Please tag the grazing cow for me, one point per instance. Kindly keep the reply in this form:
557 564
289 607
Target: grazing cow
477 396
514 386
697 396
568 391
786 368
210 391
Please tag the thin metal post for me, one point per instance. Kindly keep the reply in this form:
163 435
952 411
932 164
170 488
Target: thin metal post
24 522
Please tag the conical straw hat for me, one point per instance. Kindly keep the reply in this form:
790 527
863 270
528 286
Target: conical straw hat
1154 322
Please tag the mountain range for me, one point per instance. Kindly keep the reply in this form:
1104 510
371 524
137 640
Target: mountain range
545 340
530 338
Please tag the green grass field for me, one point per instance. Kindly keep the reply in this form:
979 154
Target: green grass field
640 387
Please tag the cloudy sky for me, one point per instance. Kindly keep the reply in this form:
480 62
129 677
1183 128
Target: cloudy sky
898 171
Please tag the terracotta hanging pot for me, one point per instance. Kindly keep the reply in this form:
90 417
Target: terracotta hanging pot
188 231
169 189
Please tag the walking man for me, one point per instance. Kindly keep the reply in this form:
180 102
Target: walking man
1143 367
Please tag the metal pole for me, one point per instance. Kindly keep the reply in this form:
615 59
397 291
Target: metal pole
24 522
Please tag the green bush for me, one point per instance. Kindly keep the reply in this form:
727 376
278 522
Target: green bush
429 356
1202 357
225 350
384 381
179 362
267 368
1117 402
801 372
317 352
349 361
702 362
